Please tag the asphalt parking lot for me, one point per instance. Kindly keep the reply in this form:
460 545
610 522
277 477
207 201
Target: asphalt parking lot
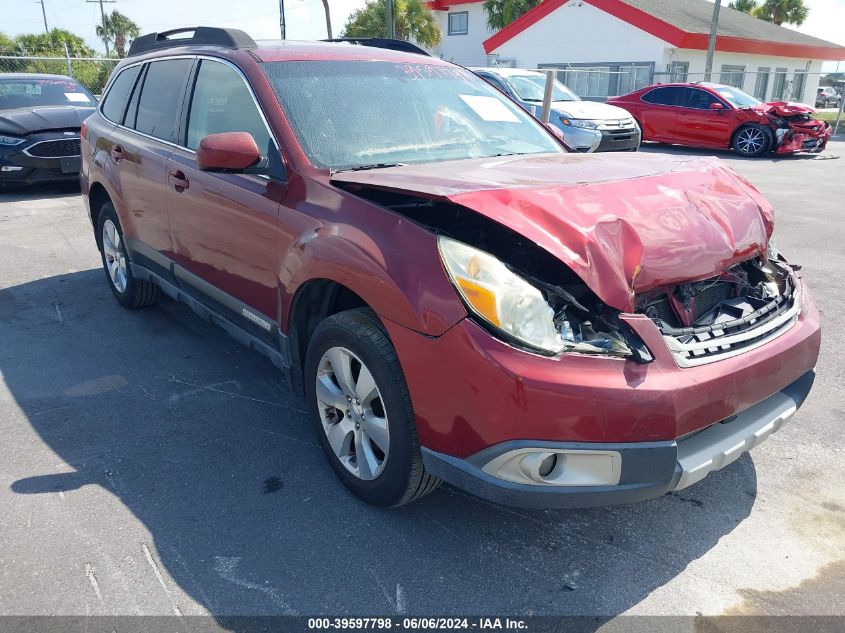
151 465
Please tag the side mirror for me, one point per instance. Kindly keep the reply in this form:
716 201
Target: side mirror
716 106
229 151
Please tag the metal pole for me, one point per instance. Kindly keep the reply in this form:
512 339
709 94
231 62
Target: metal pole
44 14
105 36
839 115
282 17
69 65
547 95
711 42
390 22
103 20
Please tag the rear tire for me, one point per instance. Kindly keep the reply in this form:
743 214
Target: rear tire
129 291
370 436
751 141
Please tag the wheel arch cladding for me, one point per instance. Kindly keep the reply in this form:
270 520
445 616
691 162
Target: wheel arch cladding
97 197
314 301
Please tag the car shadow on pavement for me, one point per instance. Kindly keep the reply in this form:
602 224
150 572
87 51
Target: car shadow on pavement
664 148
44 191
200 439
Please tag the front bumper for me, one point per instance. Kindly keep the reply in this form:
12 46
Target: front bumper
606 139
34 161
802 139
648 469
473 393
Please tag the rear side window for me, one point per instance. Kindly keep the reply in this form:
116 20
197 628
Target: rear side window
222 102
662 96
158 107
114 104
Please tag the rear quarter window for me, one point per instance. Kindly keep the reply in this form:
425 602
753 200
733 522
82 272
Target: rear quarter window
114 103
662 96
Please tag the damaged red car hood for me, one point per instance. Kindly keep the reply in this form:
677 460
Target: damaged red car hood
784 108
624 223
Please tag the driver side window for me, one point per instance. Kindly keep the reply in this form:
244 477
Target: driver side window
222 102
698 99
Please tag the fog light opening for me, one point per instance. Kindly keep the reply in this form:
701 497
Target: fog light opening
547 465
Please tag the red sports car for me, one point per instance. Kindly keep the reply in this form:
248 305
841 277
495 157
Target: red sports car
721 117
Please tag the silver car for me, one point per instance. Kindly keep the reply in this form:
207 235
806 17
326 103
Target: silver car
587 126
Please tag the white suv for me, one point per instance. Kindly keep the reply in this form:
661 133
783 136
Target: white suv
587 126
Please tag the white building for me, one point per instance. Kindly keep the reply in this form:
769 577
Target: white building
611 47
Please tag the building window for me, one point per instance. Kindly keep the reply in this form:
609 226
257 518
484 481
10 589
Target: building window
598 81
761 84
732 75
459 23
678 72
779 84
799 81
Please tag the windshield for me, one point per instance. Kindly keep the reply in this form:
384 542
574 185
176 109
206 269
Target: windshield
25 92
736 97
363 114
532 87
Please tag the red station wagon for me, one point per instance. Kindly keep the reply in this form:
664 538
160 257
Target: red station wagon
458 297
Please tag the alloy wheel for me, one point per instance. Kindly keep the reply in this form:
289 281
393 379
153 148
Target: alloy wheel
352 413
750 140
114 255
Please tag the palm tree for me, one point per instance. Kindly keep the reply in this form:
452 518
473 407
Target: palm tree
413 21
783 11
746 6
328 18
500 13
119 29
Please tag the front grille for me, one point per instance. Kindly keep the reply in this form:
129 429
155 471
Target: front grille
62 148
708 297
699 345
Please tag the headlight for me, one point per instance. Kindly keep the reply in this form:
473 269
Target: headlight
543 316
501 298
585 123
10 140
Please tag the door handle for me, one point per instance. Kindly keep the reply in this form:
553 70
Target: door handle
178 180
116 153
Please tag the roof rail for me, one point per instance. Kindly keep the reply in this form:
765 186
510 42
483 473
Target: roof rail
201 36
382 42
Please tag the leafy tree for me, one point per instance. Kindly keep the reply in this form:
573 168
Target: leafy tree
746 6
500 13
91 74
52 44
783 11
119 29
7 45
413 20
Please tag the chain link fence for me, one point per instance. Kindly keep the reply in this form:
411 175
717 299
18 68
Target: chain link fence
91 72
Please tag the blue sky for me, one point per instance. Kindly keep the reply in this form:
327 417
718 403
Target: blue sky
260 18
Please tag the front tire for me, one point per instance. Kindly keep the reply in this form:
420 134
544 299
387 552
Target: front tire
129 291
752 141
362 412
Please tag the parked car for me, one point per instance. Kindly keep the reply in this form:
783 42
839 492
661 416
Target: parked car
40 117
587 126
827 97
457 296
722 117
